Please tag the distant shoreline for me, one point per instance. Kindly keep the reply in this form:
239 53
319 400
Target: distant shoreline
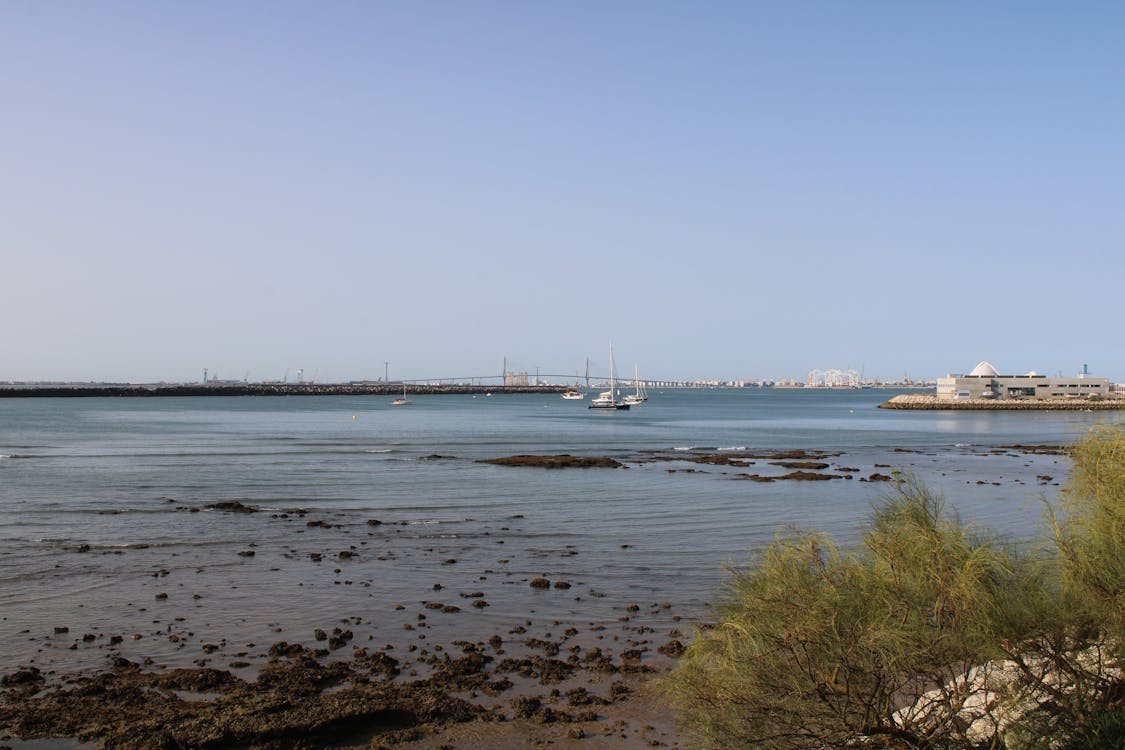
263 389
930 402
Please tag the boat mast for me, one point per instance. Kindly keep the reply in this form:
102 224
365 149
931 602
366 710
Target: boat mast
612 383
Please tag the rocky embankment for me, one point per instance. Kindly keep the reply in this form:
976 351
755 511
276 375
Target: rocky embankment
928 401
264 389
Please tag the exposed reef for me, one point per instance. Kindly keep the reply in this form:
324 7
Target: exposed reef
561 461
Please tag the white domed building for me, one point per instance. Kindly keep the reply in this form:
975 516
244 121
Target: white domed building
985 381
984 370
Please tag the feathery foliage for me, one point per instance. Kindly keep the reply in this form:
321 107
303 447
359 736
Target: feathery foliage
928 634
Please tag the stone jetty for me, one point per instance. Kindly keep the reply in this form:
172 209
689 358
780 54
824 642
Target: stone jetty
263 389
930 402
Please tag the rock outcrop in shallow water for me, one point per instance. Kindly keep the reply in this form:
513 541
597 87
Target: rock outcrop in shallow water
562 461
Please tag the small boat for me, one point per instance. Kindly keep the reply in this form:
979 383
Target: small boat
608 399
575 393
641 395
404 401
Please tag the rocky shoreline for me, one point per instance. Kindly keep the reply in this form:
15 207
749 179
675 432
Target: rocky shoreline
302 699
930 402
478 657
513 651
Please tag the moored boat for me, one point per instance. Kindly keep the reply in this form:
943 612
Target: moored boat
608 399
641 395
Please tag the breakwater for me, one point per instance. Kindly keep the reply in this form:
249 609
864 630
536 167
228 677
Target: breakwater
930 402
263 389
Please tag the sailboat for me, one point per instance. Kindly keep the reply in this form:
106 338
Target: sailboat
404 401
608 399
641 395
575 393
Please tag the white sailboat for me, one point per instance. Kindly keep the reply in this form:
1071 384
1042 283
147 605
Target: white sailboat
575 393
404 401
608 399
641 395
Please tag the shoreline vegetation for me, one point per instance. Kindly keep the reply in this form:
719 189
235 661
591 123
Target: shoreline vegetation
929 633
930 402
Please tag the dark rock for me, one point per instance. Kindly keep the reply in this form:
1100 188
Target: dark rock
25 676
1045 450
285 649
805 476
232 506
800 464
672 648
562 461
540 583
550 648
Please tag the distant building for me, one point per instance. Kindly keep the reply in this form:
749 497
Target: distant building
985 382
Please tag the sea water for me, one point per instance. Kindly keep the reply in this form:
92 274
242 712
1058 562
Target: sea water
104 527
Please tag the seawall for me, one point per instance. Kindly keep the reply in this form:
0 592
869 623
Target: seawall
263 389
930 402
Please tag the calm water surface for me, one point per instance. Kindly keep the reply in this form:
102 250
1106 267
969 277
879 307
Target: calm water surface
123 475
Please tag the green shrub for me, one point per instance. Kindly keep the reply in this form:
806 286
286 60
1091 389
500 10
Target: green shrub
1090 532
821 647
929 634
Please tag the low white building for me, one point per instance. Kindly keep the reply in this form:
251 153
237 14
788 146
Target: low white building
985 382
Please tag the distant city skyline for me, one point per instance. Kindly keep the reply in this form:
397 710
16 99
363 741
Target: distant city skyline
729 191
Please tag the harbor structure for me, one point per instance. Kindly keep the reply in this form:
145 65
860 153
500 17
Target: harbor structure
986 382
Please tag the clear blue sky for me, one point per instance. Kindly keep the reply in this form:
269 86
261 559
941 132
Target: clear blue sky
742 189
